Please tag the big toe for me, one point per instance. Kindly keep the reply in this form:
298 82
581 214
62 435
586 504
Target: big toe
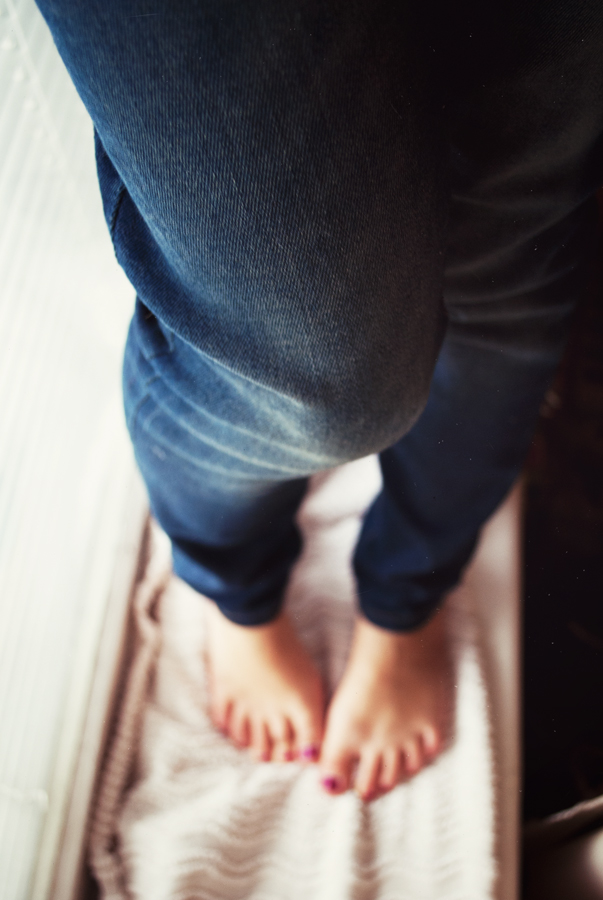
336 769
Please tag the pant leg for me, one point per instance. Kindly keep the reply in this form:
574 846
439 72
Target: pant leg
273 176
224 464
526 126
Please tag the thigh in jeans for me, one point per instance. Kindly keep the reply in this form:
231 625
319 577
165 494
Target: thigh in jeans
274 177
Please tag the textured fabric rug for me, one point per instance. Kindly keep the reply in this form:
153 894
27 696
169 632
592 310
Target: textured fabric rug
183 814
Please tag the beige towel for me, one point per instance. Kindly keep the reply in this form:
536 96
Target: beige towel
183 814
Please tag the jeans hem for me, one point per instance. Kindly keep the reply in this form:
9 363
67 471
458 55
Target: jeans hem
400 623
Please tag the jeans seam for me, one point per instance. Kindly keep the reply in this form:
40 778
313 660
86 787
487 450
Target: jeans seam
116 208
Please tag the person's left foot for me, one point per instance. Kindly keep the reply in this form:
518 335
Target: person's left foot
390 715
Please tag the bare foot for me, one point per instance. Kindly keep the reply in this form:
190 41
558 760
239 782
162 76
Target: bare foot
265 691
391 710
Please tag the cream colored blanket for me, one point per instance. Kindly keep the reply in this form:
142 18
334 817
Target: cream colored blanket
183 815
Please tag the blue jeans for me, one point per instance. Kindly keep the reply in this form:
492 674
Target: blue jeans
352 227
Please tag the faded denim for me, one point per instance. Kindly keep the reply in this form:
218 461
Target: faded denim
352 227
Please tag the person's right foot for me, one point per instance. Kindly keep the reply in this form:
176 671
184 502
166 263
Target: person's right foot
265 691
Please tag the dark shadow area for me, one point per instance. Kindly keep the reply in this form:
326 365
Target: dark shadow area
563 626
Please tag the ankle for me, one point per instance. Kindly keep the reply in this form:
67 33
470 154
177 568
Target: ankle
374 640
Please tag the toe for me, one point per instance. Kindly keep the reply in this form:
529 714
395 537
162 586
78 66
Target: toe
336 770
282 735
431 742
220 711
240 730
391 770
222 717
260 741
412 755
367 776
307 738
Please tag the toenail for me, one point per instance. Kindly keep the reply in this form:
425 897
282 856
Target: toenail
330 783
265 756
289 755
310 752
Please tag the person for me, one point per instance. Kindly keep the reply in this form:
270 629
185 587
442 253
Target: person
352 228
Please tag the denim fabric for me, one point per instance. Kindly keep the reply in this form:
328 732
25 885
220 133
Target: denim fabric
224 461
308 197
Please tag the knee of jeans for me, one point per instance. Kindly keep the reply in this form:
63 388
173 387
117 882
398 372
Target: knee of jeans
351 406
358 407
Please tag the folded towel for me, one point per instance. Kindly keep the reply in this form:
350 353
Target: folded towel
182 814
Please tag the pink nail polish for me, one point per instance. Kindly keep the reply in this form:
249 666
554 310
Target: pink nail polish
330 783
310 753
289 755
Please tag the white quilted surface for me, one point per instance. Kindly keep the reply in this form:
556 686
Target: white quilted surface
183 814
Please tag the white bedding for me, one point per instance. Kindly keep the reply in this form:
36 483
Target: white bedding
182 814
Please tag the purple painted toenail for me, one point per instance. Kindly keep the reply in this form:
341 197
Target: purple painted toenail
330 784
310 752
